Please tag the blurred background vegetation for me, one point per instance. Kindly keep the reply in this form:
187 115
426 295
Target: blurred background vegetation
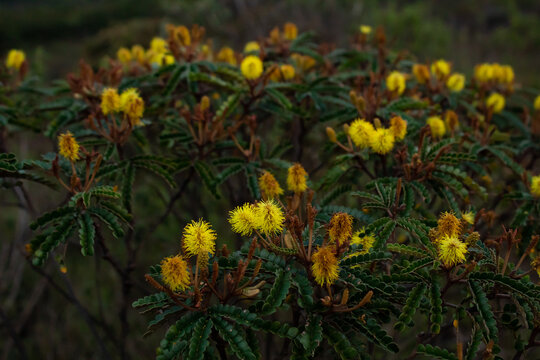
56 34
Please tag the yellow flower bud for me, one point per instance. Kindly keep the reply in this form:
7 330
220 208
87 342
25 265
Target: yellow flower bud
495 102
456 82
15 59
251 67
290 31
441 68
123 55
331 134
421 73
395 82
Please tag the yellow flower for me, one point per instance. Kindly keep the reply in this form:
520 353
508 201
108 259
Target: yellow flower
68 146
331 134
382 141
269 217
226 54
251 67
361 238
448 224
110 101
159 59
421 73
158 45
325 266
183 36
451 120
495 102
175 272
242 219
440 68
536 104
451 251
365 29
138 53
296 178
132 105
199 238
340 227
287 71
506 75
535 185
361 133
483 73
123 55
290 31
468 217
15 59
304 62
456 82
269 186
437 126
395 82
252 46
398 126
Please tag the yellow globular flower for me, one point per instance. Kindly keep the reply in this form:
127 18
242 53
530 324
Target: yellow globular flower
382 141
421 73
15 59
251 67
451 251
456 82
536 103
506 75
182 33
495 102
269 186
297 178
483 73
252 46
361 133
287 71
468 217
68 146
448 224
535 185
395 82
132 105
226 54
175 273
159 45
365 29
110 101
290 31
398 126
437 126
269 217
340 228
243 219
304 62
124 55
366 240
199 238
325 266
451 120
441 68
138 53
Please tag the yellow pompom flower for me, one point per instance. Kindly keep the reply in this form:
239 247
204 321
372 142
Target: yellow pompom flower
15 59
251 67
483 73
366 240
456 82
421 73
361 133
132 105
536 103
382 141
138 53
468 217
175 273
365 29
448 224
437 126
495 102
441 68
340 227
243 219
297 178
110 101
159 45
535 185
506 75
226 54
269 186
290 31
68 146
395 82
325 266
199 238
182 34
451 120
269 217
287 71
451 251
398 126
124 55
252 46
303 62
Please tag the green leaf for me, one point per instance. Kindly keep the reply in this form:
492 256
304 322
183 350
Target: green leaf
407 250
278 292
174 80
233 337
474 344
127 186
375 333
365 258
199 341
208 177
305 290
312 335
436 306
435 352
408 311
340 343
87 233
52 240
52 216
110 219
484 308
